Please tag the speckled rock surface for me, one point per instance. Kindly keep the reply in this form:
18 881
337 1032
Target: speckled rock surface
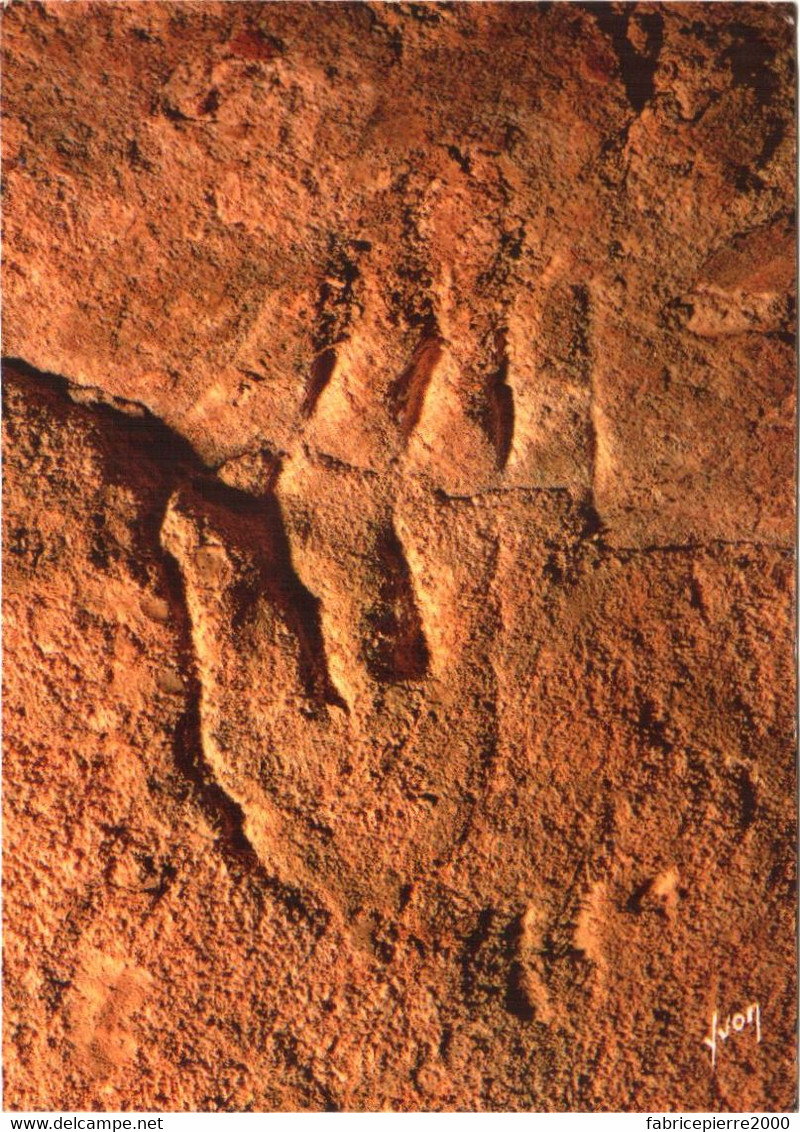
399 556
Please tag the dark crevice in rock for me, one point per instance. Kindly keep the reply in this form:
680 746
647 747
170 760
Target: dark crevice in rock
321 373
397 648
500 399
637 68
257 525
146 455
407 392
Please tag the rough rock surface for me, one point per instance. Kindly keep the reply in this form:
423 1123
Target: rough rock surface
399 569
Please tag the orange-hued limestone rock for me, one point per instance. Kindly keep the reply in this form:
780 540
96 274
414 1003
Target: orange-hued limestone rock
399 568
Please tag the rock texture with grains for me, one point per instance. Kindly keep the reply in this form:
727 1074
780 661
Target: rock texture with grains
399 556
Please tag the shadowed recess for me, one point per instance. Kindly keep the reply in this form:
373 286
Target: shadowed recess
257 526
397 648
321 373
500 403
407 392
637 68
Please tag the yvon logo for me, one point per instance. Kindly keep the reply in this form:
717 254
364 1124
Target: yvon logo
734 1024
